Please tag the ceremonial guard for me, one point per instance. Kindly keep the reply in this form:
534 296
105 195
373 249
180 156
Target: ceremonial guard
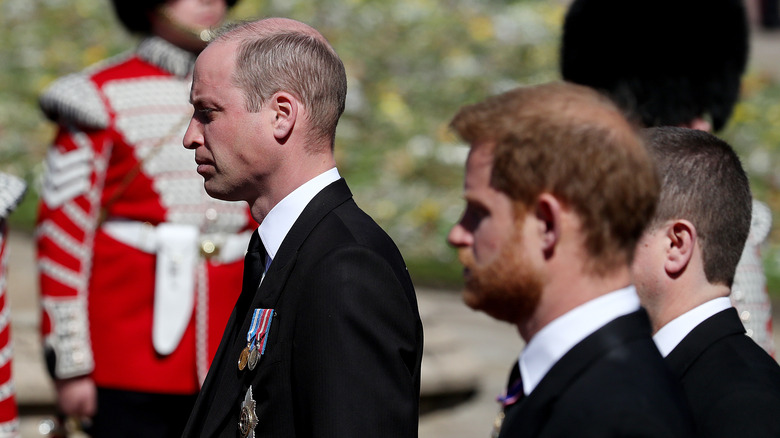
11 191
139 267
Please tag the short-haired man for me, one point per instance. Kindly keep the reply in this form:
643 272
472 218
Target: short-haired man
558 190
684 269
330 342
674 63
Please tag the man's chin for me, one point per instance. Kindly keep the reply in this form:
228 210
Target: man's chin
476 301
214 191
498 306
471 298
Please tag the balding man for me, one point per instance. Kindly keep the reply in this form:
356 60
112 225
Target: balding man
325 339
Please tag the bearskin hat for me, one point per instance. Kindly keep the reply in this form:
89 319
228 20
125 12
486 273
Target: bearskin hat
134 14
664 61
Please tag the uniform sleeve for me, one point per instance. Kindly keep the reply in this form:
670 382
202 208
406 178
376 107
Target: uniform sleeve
68 215
358 373
11 191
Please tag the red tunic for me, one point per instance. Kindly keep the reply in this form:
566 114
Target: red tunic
11 191
118 159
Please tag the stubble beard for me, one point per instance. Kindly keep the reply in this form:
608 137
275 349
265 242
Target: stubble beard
508 288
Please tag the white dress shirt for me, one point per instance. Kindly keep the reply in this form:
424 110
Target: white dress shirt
559 336
672 333
281 218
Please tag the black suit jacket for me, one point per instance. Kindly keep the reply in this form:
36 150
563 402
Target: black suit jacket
613 383
345 344
732 384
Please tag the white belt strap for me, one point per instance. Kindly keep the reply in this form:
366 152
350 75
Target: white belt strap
176 247
174 289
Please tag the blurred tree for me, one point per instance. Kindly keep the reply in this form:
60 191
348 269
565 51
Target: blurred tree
410 63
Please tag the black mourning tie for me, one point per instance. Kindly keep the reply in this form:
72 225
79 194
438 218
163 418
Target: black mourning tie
513 394
254 264
514 387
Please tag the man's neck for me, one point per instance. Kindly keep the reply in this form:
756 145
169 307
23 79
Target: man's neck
681 298
287 179
566 292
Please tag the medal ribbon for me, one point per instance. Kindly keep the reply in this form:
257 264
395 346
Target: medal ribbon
265 322
250 335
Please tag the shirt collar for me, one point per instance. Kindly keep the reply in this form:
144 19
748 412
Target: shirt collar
559 336
672 333
281 218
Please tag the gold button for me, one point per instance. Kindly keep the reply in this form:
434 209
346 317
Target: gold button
208 249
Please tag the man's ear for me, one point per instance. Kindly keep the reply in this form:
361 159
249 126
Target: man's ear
681 240
285 111
548 211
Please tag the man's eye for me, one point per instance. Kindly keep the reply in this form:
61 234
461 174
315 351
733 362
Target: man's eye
473 216
204 114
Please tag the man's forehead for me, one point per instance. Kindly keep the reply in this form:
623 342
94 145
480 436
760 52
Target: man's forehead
478 170
217 56
480 160
214 66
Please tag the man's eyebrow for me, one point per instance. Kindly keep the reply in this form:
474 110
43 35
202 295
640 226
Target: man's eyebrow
197 100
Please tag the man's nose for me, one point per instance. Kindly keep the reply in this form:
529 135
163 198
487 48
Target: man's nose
193 137
459 236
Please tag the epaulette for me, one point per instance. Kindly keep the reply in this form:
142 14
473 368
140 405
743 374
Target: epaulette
761 223
75 99
11 192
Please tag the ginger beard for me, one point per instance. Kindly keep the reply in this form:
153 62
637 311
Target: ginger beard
507 288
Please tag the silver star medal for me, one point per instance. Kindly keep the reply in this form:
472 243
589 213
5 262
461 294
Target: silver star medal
248 419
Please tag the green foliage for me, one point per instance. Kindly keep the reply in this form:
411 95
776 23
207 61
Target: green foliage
39 41
754 132
410 63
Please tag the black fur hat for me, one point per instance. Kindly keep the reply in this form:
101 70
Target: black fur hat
665 61
134 14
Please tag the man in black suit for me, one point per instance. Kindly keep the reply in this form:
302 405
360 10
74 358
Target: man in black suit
325 339
674 63
558 190
684 269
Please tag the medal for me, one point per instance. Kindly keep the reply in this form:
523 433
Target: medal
254 357
243 358
247 420
256 337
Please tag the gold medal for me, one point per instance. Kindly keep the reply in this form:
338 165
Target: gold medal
242 358
254 357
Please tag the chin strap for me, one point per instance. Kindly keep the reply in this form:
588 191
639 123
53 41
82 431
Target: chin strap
204 35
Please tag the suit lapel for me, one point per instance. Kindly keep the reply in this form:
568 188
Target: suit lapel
716 327
228 382
270 290
532 412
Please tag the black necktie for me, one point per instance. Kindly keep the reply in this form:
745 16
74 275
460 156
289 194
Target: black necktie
254 264
514 387
514 393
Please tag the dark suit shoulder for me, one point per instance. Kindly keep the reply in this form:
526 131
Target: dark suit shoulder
613 383
356 331
628 391
732 385
361 227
